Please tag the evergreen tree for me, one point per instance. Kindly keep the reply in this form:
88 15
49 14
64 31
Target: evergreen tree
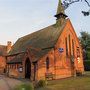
85 43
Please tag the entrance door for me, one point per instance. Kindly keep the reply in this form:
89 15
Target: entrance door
27 69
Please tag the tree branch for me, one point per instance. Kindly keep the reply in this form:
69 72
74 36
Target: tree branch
87 3
67 3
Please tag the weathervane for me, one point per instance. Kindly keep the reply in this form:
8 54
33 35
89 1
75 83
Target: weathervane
67 3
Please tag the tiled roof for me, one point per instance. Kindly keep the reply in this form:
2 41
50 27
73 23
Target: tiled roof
44 38
38 43
17 59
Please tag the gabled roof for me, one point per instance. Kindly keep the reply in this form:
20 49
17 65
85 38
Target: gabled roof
38 43
41 42
41 39
3 50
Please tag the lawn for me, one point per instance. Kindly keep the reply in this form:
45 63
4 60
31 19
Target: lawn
73 83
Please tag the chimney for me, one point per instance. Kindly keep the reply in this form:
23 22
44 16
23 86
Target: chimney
9 46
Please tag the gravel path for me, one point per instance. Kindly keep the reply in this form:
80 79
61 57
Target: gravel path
8 83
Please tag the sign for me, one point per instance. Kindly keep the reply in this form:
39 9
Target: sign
20 69
78 59
61 50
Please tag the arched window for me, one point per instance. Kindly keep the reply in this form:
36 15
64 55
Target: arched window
47 63
73 47
66 43
78 52
69 44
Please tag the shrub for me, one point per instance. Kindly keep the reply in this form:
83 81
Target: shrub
24 87
41 83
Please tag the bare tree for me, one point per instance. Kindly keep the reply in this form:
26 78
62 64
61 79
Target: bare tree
67 3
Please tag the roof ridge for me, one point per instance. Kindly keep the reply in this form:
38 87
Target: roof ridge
46 37
36 31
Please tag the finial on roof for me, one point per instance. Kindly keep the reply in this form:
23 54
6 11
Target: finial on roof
60 8
60 16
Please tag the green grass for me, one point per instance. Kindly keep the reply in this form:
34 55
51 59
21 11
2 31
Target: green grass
24 86
74 83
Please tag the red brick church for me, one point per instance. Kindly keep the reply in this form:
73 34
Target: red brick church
53 52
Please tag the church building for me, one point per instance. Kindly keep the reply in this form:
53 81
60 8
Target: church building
50 53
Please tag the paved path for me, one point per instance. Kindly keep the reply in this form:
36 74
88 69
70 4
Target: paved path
8 83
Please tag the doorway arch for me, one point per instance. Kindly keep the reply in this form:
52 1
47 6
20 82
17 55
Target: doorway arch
27 68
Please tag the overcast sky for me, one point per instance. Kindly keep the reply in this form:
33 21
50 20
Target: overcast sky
21 17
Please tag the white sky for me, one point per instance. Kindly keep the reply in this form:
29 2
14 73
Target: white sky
22 17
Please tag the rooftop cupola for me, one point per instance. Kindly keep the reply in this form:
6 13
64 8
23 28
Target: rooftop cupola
60 16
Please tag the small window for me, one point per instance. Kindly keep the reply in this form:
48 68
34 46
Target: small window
15 66
47 63
10 66
78 52
69 44
73 47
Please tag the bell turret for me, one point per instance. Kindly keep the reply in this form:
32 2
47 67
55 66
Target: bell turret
60 16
